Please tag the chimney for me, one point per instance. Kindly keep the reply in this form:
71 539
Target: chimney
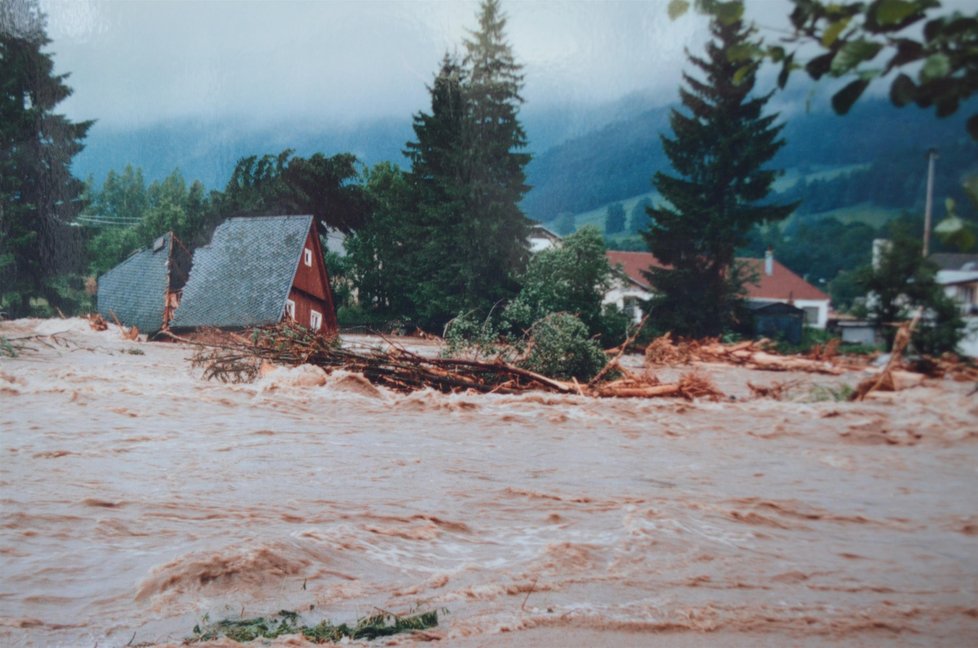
769 262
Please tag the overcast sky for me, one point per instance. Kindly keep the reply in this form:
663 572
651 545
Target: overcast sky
339 62
137 63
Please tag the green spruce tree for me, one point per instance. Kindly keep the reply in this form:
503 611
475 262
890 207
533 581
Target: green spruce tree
439 225
467 234
495 178
38 195
718 152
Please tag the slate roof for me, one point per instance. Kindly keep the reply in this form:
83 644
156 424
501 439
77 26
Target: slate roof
242 278
782 283
135 290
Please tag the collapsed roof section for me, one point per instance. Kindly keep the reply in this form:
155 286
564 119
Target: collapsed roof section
143 290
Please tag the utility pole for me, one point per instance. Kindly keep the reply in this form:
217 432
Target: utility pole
931 156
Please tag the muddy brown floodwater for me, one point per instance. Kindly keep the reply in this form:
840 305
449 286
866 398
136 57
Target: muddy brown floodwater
137 498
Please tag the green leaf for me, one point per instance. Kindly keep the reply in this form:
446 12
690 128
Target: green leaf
936 66
677 8
741 52
843 99
902 90
742 73
776 53
729 12
907 52
852 54
892 12
819 65
831 34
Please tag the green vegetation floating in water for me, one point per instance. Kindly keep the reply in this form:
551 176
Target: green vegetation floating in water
7 348
821 393
287 622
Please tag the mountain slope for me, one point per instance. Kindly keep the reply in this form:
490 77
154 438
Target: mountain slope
619 160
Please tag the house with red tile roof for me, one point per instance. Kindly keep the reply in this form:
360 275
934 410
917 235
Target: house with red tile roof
772 283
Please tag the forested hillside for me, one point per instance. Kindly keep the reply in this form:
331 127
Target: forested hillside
618 161
207 150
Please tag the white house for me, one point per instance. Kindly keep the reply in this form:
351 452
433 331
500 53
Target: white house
958 274
774 283
540 239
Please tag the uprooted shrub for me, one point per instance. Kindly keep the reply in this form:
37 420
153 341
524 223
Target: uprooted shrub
559 347
467 337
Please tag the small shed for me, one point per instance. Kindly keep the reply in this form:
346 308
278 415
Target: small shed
144 290
777 320
255 271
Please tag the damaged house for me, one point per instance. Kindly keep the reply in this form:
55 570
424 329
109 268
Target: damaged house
144 290
255 271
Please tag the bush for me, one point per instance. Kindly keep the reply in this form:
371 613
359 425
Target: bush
559 347
467 336
572 278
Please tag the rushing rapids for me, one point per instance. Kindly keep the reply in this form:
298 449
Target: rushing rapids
138 499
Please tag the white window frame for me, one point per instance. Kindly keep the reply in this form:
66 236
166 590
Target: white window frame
307 257
315 320
290 308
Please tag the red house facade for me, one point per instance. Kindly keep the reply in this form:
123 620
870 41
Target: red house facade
310 301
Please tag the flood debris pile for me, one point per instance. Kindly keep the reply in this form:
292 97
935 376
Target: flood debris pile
753 354
236 358
240 359
287 622
690 386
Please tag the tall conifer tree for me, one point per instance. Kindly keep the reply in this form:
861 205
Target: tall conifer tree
496 178
38 194
467 233
438 224
718 151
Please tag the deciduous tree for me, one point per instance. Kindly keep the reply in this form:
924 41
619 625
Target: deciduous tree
902 281
324 186
572 278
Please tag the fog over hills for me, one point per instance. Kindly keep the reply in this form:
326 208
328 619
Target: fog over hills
619 160
583 156
207 150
